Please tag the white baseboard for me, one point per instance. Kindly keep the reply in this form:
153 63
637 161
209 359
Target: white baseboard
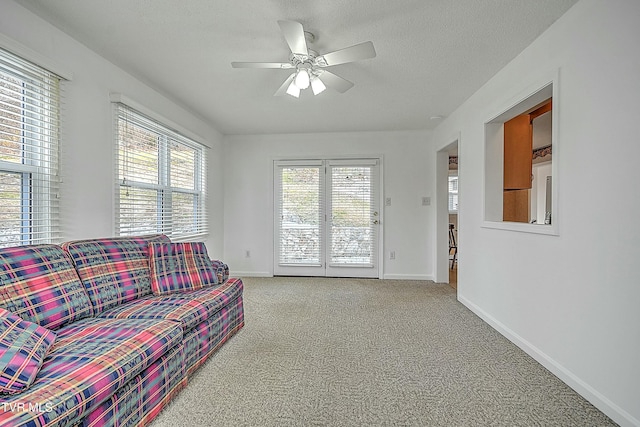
233 273
407 277
598 400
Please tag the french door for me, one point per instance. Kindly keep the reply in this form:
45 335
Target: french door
327 220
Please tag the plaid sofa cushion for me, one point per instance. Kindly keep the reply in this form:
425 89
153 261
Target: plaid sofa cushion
207 337
212 298
142 399
122 409
90 360
178 267
188 312
23 347
114 270
38 283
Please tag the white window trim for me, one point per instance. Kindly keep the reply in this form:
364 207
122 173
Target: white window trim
533 93
200 164
118 98
41 118
34 57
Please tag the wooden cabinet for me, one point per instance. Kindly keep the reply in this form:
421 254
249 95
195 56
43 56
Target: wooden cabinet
518 149
518 164
518 157
516 205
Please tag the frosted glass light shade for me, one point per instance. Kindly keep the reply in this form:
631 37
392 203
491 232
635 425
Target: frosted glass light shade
302 79
293 90
317 86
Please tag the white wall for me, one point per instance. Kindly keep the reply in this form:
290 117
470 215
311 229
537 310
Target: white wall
87 146
248 204
572 301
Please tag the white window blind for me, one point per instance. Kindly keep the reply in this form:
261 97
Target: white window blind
353 214
30 98
160 179
299 212
453 194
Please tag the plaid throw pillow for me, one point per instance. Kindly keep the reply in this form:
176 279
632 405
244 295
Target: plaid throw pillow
38 283
23 347
179 267
113 270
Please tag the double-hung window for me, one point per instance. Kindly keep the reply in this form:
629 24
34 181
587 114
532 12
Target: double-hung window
29 138
160 174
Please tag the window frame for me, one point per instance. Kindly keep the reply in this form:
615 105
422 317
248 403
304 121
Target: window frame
452 176
167 138
38 92
538 89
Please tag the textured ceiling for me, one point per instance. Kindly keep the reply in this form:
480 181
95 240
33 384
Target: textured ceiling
431 54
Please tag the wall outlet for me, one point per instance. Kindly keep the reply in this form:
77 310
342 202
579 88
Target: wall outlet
426 201
387 201
392 255
247 253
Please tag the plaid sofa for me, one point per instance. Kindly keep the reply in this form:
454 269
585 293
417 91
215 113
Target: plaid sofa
120 353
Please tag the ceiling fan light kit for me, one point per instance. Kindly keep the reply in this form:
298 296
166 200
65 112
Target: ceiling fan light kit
302 79
317 86
309 66
293 90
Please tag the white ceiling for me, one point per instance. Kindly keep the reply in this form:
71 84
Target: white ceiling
431 54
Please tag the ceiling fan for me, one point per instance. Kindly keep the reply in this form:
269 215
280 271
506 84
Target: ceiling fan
309 66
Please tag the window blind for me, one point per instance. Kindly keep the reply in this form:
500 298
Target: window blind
161 177
300 201
453 193
353 213
30 98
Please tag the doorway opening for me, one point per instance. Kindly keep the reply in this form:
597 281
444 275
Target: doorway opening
448 200
452 207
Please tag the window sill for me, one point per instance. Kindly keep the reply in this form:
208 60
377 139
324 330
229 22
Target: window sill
550 230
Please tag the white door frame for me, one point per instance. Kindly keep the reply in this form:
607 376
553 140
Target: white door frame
310 268
442 210
354 270
326 270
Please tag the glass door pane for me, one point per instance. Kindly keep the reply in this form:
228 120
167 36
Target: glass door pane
351 231
299 220
354 218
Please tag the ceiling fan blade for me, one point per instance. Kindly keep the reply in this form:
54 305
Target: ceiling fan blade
349 54
294 35
280 65
283 89
335 82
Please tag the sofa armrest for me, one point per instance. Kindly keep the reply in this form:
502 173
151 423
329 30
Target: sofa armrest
222 270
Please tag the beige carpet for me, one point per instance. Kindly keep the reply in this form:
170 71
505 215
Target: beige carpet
352 352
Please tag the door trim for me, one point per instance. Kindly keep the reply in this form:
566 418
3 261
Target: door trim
301 161
442 208
363 270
